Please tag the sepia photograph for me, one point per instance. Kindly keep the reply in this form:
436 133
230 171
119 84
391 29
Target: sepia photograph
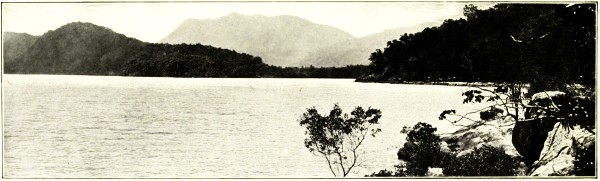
299 90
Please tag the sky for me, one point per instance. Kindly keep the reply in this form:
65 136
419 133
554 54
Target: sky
151 22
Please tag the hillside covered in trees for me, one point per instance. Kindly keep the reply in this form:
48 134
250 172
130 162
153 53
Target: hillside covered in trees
531 43
87 49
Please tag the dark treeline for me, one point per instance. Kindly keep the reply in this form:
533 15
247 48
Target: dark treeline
183 60
87 49
349 71
531 43
164 60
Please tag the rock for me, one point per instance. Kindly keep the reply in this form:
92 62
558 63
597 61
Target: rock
558 154
546 94
435 172
496 133
528 138
529 135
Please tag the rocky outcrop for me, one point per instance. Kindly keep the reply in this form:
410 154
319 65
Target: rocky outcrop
496 133
550 141
560 149
528 138
529 135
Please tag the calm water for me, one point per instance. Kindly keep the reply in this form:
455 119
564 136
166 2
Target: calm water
96 126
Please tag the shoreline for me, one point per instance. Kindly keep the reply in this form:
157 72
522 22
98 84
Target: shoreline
470 84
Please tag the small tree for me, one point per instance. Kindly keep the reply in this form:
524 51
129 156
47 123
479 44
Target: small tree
336 137
422 149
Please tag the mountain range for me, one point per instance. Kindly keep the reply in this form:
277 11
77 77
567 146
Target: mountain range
286 40
221 47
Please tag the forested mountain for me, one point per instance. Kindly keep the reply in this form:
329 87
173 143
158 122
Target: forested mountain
357 51
15 45
78 48
279 40
87 49
164 60
537 43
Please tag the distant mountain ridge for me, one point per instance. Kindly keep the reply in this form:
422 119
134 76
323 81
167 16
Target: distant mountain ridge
279 40
358 51
285 40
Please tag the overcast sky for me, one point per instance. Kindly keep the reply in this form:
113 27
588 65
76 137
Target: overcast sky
152 21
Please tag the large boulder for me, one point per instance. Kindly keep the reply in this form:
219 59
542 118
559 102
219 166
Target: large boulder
528 138
529 135
556 127
560 150
496 133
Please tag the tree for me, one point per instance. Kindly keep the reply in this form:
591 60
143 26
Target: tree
337 137
422 150
542 44
470 11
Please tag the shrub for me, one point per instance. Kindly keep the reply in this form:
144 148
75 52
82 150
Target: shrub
484 161
388 173
421 151
585 161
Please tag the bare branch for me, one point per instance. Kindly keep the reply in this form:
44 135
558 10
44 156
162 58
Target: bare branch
329 164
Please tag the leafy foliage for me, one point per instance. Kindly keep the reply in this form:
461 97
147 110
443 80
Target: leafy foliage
544 44
508 101
421 133
484 161
585 161
336 136
569 109
423 150
399 172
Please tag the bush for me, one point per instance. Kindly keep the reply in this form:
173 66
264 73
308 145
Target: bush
484 161
585 161
388 173
423 151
